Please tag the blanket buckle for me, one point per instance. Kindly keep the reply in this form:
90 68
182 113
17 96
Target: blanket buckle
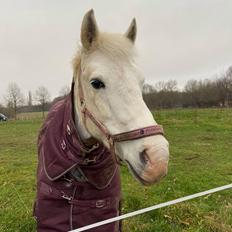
88 160
65 196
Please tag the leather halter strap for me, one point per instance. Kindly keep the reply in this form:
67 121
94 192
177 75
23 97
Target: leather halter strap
112 139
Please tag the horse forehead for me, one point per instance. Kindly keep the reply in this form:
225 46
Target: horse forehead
99 56
114 66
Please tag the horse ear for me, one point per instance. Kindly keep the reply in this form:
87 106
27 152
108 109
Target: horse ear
132 31
89 29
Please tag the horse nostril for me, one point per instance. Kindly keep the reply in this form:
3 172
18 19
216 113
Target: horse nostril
143 157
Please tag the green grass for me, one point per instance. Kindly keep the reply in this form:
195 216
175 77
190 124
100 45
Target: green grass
30 115
201 159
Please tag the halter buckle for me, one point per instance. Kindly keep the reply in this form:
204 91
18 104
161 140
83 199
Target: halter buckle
110 140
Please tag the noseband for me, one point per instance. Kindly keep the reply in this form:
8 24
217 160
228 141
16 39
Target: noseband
120 137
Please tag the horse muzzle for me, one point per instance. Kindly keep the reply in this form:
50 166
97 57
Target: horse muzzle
155 164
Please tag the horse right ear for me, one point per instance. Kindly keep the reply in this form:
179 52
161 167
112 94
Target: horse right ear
89 30
132 31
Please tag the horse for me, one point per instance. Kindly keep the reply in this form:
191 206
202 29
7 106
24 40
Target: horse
102 123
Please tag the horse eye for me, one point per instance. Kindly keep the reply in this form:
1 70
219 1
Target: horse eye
97 84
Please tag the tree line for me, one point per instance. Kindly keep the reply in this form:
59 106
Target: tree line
39 101
215 92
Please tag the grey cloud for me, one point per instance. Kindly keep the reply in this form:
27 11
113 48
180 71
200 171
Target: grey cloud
176 39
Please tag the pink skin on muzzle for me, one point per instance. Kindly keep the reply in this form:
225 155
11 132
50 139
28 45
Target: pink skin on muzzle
156 164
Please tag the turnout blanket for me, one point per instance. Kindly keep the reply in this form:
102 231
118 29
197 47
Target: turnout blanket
77 185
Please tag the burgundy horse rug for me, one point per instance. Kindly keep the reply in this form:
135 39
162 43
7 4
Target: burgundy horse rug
77 184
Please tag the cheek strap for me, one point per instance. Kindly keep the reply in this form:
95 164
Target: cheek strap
120 137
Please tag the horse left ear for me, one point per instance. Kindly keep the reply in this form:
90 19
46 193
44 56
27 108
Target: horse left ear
132 31
89 30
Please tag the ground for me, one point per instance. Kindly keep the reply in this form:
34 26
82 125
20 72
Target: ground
201 159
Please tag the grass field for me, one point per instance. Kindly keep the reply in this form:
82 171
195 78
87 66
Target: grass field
201 159
31 115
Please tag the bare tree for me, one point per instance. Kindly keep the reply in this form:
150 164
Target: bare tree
171 85
64 91
1 108
147 88
228 80
192 93
14 98
29 99
160 86
223 86
43 97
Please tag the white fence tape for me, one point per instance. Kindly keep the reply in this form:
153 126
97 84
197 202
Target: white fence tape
141 211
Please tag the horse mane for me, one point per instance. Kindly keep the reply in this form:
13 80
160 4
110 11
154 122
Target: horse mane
115 46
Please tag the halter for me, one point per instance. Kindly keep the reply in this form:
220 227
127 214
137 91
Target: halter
120 137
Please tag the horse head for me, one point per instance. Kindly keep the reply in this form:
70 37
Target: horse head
112 85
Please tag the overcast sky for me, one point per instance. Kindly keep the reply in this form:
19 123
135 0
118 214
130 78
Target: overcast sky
177 39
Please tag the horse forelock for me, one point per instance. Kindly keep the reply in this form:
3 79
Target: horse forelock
115 46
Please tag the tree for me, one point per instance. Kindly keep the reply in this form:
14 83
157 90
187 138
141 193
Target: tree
43 97
29 99
64 91
228 79
192 93
147 88
160 86
14 98
223 86
171 85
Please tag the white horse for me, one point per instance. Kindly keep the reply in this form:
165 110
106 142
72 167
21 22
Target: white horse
78 182
112 87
